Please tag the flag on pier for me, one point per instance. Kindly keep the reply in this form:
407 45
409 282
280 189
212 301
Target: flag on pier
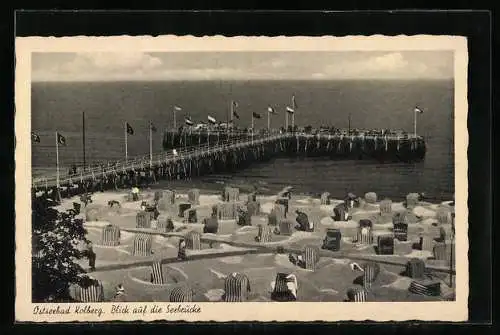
256 115
61 139
153 128
177 108
130 130
35 137
418 110
294 103
188 121
290 110
212 120
271 110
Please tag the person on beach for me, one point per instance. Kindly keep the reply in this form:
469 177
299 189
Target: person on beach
303 222
181 254
91 256
135 193
120 295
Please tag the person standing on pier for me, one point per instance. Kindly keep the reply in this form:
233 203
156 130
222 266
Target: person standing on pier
91 256
135 193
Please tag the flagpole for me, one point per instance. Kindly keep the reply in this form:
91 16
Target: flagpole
150 144
252 125
57 162
268 121
349 125
126 145
175 125
286 121
415 123
83 139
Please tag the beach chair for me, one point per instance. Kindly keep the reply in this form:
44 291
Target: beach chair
325 198
443 216
371 271
415 268
332 239
253 208
110 236
285 227
182 208
210 225
265 234
284 203
190 215
193 241
386 207
236 287
341 213
363 236
385 244
143 219
88 293
143 244
194 196
439 252
181 293
310 256
412 200
157 273
356 294
284 288
427 287
400 231
371 197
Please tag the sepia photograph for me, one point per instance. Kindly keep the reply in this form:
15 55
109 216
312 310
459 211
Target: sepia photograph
229 170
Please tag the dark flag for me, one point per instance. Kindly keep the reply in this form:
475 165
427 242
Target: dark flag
294 103
35 137
235 105
256 115
130 130
153 128
61 139
236 115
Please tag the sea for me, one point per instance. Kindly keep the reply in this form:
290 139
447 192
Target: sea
59 106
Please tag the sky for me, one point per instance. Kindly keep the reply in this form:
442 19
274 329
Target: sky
323 65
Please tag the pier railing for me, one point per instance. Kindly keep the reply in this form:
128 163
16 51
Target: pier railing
141 162
238 140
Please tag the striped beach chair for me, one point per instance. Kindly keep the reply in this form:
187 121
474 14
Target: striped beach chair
443 216
252 197
244 218
193 241
356 294
284 288
182 208
91 293
427 287
385 207
110 236
265 234
385 244
364 236
400 231
143 219
439 251
236 287
365 223
371 271
227 211
194 196
165 225
157 273
415 268
310 256
143 244
399 217
325 198
231 194
181 293
285 227
181 252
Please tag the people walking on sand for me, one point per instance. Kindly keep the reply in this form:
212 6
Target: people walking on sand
120 295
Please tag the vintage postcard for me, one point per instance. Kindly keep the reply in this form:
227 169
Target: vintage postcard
241 178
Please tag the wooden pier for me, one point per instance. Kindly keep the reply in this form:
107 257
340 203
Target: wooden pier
222 153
